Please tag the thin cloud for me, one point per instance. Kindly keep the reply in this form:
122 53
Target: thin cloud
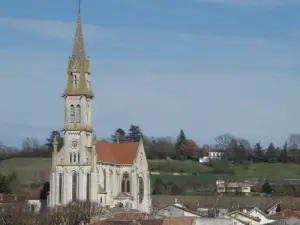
65 31
50 28
250 2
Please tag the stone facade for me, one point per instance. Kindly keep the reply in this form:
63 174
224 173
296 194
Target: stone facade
112 174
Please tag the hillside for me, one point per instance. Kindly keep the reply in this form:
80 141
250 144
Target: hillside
36 170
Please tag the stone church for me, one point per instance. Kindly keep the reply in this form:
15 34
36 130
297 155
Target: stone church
84 169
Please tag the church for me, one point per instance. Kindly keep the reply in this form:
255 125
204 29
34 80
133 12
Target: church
84 169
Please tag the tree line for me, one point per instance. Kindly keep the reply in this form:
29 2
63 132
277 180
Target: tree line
236 150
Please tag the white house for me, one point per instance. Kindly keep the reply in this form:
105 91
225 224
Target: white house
211 154
232 186
177 210
112 174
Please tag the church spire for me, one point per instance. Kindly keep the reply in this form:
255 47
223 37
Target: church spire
79 65
78 51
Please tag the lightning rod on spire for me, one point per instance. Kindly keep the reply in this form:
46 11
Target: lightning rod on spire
79 5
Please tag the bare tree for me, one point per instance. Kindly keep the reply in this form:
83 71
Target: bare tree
224 140
30 144
244 142
79 213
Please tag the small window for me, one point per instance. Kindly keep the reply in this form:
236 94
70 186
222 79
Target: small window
74 155
78 114
75 80
72 113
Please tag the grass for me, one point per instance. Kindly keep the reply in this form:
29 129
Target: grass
174 166
35 170
269 170
28 170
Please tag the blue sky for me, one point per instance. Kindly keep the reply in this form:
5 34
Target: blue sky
206 66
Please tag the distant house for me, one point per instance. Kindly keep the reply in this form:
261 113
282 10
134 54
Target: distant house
9 199
38 198
177 210
233 187
211 154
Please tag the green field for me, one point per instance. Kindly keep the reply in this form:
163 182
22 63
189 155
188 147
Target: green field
36 170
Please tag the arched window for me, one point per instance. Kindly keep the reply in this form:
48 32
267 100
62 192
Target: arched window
141 189
72 113
88 186
104 176
78 157
125 185
71 157
74 186
78 114
74 157
60 187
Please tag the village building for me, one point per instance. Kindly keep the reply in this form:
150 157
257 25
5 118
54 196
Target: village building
211 154
233 187
84 169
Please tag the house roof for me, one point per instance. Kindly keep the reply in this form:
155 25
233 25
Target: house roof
260 211
243 214
271 207
11 198
116 153
287 221
183 208
129 215
241 221
36 194
168 221
229 202
286 213
179 221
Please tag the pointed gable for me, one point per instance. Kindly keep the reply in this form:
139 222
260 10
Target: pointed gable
117 153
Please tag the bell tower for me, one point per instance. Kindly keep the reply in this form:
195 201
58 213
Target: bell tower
78 97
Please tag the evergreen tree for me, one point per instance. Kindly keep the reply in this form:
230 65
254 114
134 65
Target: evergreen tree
49 140
122 134
283 157
134 133
266 188
258 154
271 154
181 139
5 182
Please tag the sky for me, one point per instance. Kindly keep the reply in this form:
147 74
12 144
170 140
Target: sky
208 67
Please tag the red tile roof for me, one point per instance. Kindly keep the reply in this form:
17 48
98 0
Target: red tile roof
129 215
167 221
179 221
116 153
287 213
36 194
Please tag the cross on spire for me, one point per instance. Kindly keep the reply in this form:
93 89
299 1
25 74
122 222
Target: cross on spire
79 5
